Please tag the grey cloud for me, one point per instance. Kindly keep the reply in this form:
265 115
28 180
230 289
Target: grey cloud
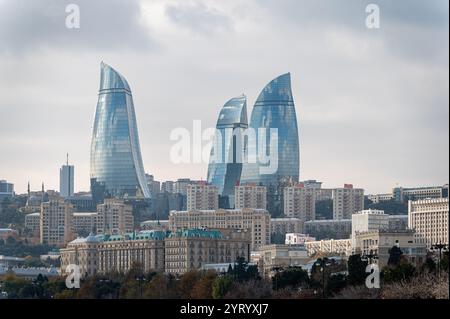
104 24
198 18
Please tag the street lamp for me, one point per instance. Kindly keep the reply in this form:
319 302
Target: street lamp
440 247
140 279
322 263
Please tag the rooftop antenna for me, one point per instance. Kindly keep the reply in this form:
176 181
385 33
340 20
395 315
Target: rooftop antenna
67 159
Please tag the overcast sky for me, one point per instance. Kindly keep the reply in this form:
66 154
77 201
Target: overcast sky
372 104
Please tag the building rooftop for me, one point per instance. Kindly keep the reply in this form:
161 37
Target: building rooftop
200 233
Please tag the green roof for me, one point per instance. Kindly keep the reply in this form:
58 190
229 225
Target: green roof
196 232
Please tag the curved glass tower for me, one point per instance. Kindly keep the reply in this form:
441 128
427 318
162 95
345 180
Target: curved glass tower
274 109
116 162
225 164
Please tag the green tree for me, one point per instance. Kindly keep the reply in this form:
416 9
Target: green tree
356 270
293 277
221 286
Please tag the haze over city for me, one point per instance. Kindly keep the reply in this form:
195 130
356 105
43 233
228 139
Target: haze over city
372 105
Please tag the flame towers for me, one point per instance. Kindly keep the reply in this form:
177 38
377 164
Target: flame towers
274 109
116 162
225 166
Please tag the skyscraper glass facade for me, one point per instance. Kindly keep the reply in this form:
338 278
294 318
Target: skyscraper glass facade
225 166
275 108
116 161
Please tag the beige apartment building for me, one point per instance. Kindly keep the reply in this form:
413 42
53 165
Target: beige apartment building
82 252
56 222
32 223
202 196
84 223
255 220
429 218
250 195
190 249
114 217
347 201
300 202
380 242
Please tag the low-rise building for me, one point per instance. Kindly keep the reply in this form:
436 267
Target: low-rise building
341 247
273 257
380 242
297 239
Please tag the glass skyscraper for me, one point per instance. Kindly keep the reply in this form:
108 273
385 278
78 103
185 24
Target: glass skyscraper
274 109
116 161
225 165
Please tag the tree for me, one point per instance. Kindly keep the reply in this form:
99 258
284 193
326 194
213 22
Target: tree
293 277
242 271
356 270
187 283
203 287
221 286
403 271
251 289
395 254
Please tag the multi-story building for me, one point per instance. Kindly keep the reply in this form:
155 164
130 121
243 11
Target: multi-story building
329 228
270 257
82 202
6 190
153 186
380 242
155 225
369 220
300 202
191 249
82 252
377 198
347 201
255 220
114 217
250 195
168 187
202 196
116 170
398 222
281 226
66 180
32 223
401 194
329 247
274 110
298 239
227 152
429 218
5 233
56 222
181 185
120 253
84 223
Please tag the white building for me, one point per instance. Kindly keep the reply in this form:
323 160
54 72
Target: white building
298 239
202 196
369 220
250 196
329 247
429 218
347 201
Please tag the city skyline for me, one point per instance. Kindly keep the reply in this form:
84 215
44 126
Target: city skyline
372 104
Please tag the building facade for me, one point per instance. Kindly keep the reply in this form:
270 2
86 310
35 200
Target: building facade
202 196
6 190
347 201
66 180
429 219
191 249
114 217
250 196
329 228
300 202
380 242
279 227
401 194
116 162
255 220
56 222
227 152
341 247
82 252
